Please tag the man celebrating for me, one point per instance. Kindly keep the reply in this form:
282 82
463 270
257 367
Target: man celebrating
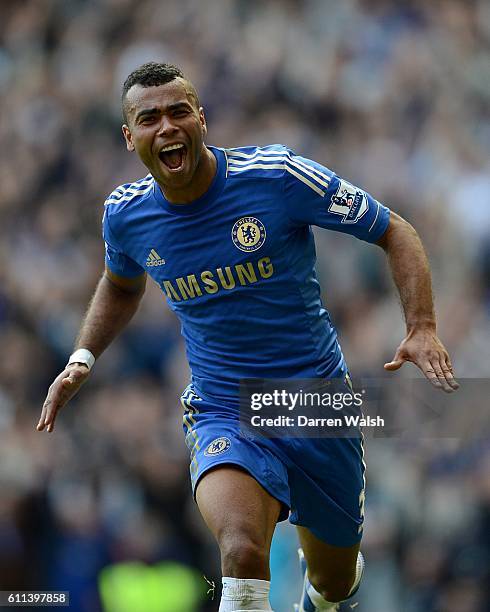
226 234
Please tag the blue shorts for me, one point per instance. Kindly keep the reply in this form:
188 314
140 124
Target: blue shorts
319 481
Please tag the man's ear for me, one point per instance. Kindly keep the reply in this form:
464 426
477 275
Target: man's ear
128 138
202 119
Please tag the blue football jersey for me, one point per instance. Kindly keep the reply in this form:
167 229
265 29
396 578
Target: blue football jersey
237 265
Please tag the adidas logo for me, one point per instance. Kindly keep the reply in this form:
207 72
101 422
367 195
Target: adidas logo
154 259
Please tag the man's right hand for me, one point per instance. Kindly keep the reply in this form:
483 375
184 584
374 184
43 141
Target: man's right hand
64 387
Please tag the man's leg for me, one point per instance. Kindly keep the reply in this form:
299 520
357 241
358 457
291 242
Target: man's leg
334 572
242 516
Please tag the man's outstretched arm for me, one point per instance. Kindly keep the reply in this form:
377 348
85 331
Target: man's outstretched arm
113 305
411 273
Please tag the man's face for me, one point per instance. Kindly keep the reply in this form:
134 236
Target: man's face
166 128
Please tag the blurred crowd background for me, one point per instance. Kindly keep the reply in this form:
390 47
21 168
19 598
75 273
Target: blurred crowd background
392 95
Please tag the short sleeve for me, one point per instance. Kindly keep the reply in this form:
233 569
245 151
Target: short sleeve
116 260
317 196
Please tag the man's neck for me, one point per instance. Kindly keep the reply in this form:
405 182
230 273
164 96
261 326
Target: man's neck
203 177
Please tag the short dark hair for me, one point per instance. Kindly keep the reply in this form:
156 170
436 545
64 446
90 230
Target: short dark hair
151 74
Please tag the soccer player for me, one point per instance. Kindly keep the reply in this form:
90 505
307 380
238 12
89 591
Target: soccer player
226 234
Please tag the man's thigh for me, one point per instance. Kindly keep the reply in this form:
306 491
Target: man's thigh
228 497
240 485
242 516
214 440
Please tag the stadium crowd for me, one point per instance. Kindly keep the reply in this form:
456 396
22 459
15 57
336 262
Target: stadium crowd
395 97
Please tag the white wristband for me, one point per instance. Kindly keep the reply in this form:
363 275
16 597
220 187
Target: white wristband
82 356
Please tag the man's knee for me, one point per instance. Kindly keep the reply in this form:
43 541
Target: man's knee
333 588
243 555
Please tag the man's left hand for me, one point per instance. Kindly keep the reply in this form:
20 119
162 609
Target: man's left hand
426 351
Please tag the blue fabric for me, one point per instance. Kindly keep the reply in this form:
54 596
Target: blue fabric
237 265
319 480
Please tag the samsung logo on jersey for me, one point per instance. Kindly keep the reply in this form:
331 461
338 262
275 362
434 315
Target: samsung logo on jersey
192 286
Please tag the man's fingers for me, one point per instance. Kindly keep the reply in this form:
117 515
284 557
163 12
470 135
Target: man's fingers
72 378
40 425
396 364
60 392
428 369
447 370
50 410
53 403
438 375
441 378
46 413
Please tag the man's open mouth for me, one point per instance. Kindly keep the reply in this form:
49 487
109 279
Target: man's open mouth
173 156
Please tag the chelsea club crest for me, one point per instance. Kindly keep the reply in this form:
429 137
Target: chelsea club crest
248 234
218 446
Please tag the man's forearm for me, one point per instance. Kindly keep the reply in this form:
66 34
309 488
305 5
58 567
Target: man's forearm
411 273
110 310
113 304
